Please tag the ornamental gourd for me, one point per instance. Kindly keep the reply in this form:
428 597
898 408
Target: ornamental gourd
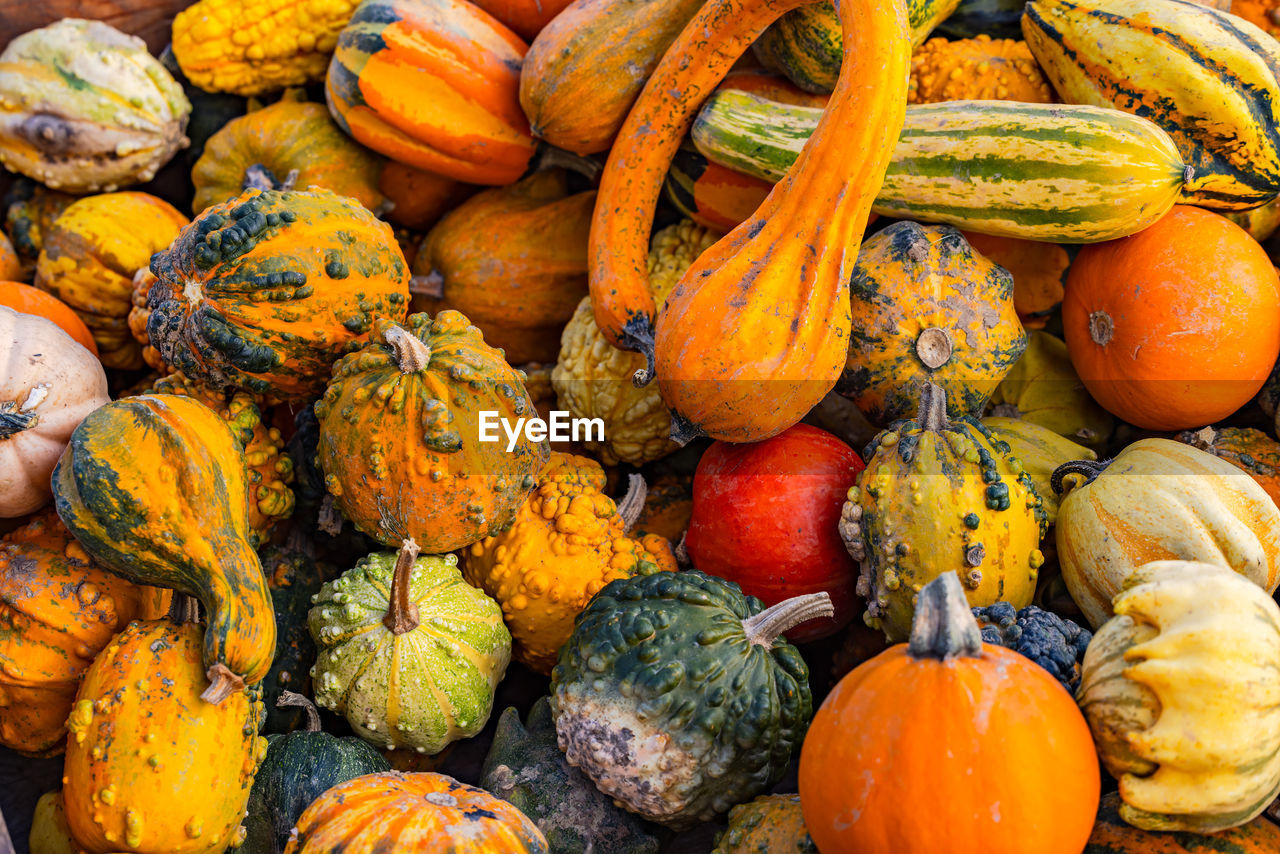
770 823
31 209
266 291
567 542
1245 448
1040 451
409 652
57 611
1160 500
294 578
1055 644
400 435
10 263
780 286
711 195
927 308
1112 835
154 488
87 108
26 299
151 767
49 831
941 495
48 384
1179 688
690 684
977 69
90 256
1038 269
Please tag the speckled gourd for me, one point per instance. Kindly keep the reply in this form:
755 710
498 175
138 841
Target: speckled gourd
1041 451
770 824
941 495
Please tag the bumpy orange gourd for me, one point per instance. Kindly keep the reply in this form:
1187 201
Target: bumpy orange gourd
57 611
976 69
89 259
567 542
139 314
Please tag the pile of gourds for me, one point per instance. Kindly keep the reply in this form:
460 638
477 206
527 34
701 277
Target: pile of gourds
263 294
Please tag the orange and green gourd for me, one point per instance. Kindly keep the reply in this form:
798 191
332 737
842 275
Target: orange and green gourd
770 824
265 292
713 196
1039 273
400 430
976 69
32 208
1245 448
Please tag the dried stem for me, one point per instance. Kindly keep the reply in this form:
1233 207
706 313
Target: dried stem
402 616
765 628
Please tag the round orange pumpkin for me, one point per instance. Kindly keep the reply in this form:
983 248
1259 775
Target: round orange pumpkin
1176 326
29 300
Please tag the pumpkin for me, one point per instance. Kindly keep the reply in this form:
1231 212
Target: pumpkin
1056 644
522 290
49 831
1179 690
400 435
711 195
765 517
941 495
977 69
1041 451
434 813
978 722
298 768
1245 448
1160 500
88 109
48 384
89 261
251 47
266 291
567 542
783 293
770 824
1112 835
1043 388
524 766
689 683
418 198
28 300
30 209
1038 270
593 379
587 67
409 652
927 308
1145 325
150 766
470 126
154 488
57 611
264 147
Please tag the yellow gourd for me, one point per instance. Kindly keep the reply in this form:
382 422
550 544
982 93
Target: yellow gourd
977 69
1040 451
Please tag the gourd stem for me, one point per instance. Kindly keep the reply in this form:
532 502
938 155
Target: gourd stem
932 415
632 504
430 285
683 431
222 684
1089 468
411 354
183 609
402 616
12 423
943 626
550 157
292 698
764 628
258 177
1006 410
681 551
1202 438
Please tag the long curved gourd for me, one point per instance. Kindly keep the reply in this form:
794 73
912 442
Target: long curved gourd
877 56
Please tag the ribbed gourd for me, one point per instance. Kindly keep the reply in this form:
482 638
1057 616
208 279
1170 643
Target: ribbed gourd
252 47
592 378
400 435
941 494
977 69
567 542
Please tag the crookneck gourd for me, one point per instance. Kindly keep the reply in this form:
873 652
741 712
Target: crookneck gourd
154 488
266 291
90 256
1160 500
1245 448
927 308
152 768
57 611
1179 688
690 684
977 69
1040 451
400 435
780 287
409 652
938 495
567 542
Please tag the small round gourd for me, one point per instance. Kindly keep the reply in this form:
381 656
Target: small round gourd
770 824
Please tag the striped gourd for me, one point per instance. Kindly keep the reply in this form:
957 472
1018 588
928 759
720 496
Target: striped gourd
1050 172
1212 80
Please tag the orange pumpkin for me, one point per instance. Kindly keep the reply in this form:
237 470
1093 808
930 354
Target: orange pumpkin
1176 326
29 300
965 727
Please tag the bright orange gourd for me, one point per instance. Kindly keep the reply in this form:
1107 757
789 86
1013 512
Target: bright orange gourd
29 300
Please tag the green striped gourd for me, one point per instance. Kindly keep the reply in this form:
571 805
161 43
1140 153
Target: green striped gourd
1211 79
1051 172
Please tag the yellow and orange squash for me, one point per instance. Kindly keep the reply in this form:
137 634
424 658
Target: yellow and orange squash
1038 269
712 195
976 69
1245 448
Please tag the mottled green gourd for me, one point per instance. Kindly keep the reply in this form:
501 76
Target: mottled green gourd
941 495
409 652
678 696
526 768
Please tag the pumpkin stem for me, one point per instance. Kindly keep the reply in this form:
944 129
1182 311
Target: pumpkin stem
222 684
1101 328
765 628
183 609
933 346
431 285
402 616
683 431
943 626
258 177
932 415
632 504
291 698
13 422
550 157
411 353
1089 468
